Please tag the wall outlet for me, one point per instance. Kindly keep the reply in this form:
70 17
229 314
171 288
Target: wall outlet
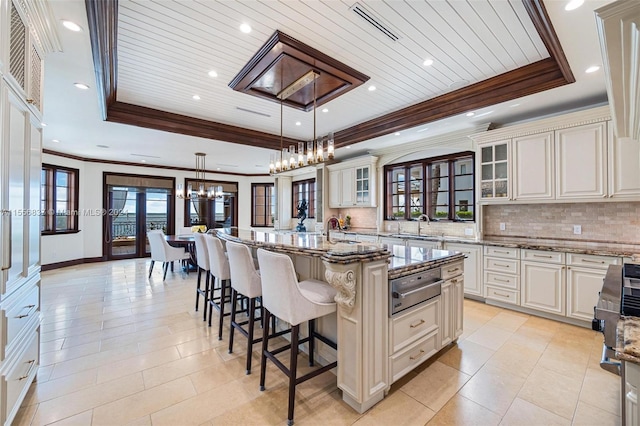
468 231
577 229
503 226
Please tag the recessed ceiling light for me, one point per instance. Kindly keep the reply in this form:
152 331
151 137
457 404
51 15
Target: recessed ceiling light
72 26
428 62
143 161
298 123
212 74
43 124
245 28
573 4
55 140
81 86
325 109
471 114
348 147
102 146
218 168
397 133
196 97
513 105
372 88
592 69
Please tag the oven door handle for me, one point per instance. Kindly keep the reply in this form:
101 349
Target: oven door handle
400 295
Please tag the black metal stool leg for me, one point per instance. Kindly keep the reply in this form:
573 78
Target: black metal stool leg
293 366
234 309
312 344
206 296
222 300
252 315
265 345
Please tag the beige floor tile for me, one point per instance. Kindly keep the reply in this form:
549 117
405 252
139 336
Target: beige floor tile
83 400
490 336
88 362
77 420
466 356
524 413
493 388
587 415
394 407
136 364
44 373
461 411
202 344
51 345
565 360
435 385
218 375
62 355
517 360
60 387
134 337
181 367
25 415
268 409
142 421
510 321
601 389
323 409
551 391
194 412
143 403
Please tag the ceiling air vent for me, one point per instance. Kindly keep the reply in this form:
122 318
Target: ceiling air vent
376 22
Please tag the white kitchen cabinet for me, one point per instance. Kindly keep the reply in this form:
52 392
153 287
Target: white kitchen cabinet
623 168
501 274
581 161
631 384
494 172
352 183
533 166
543 287
446 323
472 267
451 297
585 274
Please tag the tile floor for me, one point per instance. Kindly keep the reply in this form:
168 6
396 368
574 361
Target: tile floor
119 349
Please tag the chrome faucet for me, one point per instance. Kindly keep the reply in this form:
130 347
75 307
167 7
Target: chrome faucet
423 217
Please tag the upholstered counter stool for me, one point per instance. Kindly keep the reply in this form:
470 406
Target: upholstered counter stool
294 302
219 268
202 259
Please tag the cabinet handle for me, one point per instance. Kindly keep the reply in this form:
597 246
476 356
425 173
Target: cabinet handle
413 357
501 251
548 256
31 101
502 265
30 307
501 280
6 228
501 294
418 324
453 270
592 261
32 363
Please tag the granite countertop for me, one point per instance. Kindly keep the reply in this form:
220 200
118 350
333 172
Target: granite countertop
628 339
307 243
417 259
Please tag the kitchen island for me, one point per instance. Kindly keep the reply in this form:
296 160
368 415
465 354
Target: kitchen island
374 349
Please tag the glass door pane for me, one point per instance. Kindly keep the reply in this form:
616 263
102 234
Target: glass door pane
156 212
123 231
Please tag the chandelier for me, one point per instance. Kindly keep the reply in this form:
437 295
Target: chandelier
309 153
201 192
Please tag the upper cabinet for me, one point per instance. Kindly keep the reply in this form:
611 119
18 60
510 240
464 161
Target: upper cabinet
568 158
353 183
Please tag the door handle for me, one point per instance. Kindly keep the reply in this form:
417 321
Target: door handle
6 232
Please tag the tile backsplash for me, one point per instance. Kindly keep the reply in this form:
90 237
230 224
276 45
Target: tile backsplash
617 222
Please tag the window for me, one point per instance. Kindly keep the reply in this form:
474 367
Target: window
263 195
304 190
213 213
58 200
441 187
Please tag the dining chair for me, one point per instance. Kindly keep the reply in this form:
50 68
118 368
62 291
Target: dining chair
161 251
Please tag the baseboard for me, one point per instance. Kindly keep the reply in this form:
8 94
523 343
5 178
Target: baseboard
73 262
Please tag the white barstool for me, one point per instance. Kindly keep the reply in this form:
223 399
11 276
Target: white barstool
245 281
219 268
202 260
294 302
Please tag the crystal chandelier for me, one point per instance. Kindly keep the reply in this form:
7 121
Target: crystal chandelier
309 153
201 191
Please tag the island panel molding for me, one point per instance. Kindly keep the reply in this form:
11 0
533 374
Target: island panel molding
345 283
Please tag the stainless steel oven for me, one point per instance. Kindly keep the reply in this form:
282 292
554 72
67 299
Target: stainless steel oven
410 290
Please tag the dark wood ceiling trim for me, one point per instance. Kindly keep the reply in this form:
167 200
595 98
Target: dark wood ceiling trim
538 14
543 75
120 112
152 166
103 31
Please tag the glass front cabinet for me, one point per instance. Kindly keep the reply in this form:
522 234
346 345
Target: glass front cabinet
494 171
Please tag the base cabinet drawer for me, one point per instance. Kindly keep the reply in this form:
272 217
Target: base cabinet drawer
511 282
411 326
504 252
18 314
505 266
414 355
503 295
15 383
453 270
592 260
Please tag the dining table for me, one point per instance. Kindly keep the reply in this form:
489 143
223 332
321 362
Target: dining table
188 242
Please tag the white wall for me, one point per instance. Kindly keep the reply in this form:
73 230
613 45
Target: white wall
88 242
